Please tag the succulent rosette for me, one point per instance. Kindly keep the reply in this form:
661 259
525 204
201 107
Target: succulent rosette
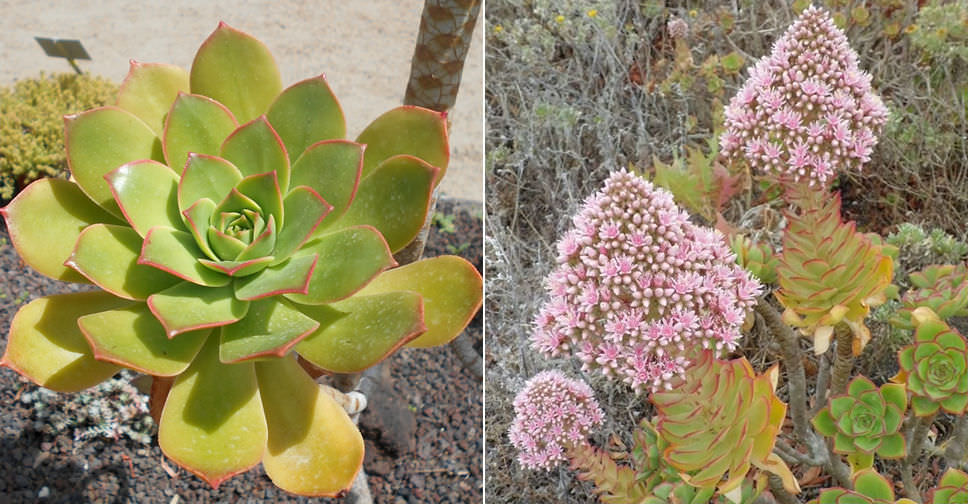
952 488
230 226
866 420
721 422
935 367
869 488
828 274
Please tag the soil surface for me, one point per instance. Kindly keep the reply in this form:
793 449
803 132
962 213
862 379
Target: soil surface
363 48
444 466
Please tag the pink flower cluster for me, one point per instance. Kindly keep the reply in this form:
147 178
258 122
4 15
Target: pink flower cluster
677 27
807 111
552 413
639 288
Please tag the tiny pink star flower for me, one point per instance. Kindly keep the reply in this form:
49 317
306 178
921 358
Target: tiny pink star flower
794 94
552 413
656 285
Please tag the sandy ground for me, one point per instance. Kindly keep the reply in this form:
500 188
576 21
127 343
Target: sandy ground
363 48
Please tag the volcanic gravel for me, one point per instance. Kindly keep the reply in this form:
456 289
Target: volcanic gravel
446 399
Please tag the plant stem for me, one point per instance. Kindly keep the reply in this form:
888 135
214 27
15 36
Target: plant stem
844 361
796 376
823 384
915 445
954 455
780 493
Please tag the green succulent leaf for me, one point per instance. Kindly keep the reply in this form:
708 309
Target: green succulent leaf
189 307
176 252
307 430
360 331
206 177
353 257
147 193
304 210
239 269
255 148
196 124
306 113
264 189
46 345
197 218
237 70
272 327
451 289
108 256
332 169
132 337
291 276
102 139
149 89
44 222
414 131
213 423
394 199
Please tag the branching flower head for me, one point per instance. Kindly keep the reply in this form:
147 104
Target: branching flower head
639 288
552 413
806 110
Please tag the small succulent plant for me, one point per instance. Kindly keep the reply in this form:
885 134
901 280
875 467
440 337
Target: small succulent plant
942 288
721 421
553 413
952 488
807 111
758 258
638 287
935 367
829 274
230 226
869 488
866 420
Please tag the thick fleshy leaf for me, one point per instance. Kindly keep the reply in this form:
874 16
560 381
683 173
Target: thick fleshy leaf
271 327
108 256
133 337
197 218
304 210
359 332
44 221
237 70
288 277
196 124
265 190
46 346
332 168
394 199
239 269
188 307
206 177
314 448
451 289
348 259
102 139
147 192
415 131
262 245
306 113
256 149
176 252
149 89
213 424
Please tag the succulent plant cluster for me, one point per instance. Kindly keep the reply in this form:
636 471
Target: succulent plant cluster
953 487
639 288
720 422
807 111
829 274
230 227
869 488
941 287
756 257
935 367
553 413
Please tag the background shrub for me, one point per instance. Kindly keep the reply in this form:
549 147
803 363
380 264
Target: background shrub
32 125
